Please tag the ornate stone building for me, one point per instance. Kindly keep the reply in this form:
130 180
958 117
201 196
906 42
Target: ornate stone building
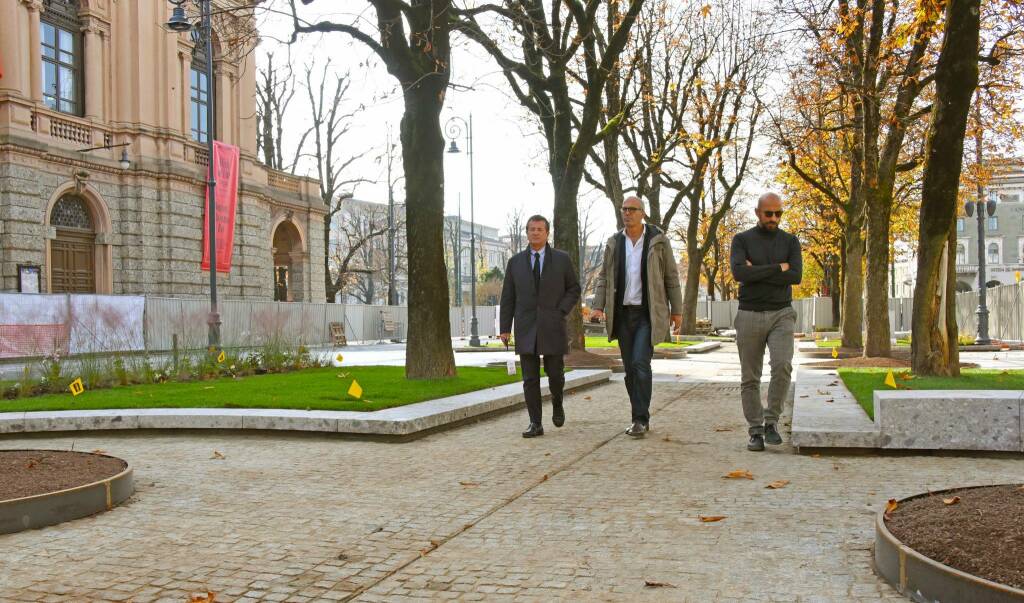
92 73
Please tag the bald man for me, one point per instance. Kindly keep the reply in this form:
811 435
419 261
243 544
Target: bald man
638 287
766 262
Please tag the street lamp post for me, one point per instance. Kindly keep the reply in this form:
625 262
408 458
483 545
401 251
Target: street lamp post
983 207
203 31
454 130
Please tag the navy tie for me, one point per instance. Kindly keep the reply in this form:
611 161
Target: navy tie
536 271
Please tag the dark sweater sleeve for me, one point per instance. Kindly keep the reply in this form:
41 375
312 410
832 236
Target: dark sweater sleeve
738 260
794 275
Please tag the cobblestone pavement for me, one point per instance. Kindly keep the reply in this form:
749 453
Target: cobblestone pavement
479 513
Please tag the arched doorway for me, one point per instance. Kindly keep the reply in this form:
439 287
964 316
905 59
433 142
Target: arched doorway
73 250
288 262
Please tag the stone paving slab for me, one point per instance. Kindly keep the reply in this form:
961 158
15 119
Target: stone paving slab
479 513
398 421
826 415
703 347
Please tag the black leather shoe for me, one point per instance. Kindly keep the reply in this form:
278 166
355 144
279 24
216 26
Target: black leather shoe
533 431
636 430
771 435
557 415
756 443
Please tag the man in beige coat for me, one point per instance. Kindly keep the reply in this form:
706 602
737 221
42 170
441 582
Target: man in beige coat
638 294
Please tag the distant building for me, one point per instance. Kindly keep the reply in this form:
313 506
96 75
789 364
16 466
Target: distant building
1004 236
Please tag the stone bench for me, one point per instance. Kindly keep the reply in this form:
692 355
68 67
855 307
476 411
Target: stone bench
950 419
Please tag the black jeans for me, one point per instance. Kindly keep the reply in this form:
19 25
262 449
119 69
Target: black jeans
554 366
633 330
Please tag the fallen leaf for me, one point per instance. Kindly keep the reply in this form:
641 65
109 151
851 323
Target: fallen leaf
469 484
545 478
666 439
822 393
951 501
723 428
31 463
98 451
805 396
829 401
653 584
217 455
586 397
891 506
739 474
778 484
209 597
342 557
710 518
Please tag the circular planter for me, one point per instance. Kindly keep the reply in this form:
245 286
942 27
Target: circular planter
32 512
923 579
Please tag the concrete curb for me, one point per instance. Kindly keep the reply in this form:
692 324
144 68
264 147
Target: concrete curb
923 579
399 421
704 347
33 512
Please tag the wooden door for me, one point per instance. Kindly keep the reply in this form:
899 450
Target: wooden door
73 258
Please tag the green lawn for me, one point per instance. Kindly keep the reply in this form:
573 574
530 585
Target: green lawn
311 389
602 342
862 382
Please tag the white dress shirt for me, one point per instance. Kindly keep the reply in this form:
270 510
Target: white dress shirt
541 252
634 296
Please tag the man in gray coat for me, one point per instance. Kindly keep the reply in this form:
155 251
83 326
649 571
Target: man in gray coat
540 290
638 289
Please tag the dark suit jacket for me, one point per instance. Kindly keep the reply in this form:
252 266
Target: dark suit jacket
539 317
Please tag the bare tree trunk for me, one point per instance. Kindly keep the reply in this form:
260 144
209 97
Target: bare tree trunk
429 351
934 341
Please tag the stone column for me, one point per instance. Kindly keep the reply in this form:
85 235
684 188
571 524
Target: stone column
11 48
94 84
35 71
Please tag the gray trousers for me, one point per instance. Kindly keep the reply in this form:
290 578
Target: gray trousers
754 331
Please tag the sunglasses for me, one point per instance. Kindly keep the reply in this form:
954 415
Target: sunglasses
627 210
768 214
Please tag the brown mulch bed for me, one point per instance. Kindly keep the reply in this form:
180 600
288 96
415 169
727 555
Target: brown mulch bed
31 472
981 534
589 359
900 359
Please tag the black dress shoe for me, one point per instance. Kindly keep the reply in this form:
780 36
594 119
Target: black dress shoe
771 435
636 430
557 415
533 431
756 443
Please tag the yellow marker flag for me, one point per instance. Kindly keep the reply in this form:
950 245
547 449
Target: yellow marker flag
76 387
221 357
835 352
1016 275
339 357
890 380
354 390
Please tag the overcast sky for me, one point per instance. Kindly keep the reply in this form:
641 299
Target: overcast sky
510 155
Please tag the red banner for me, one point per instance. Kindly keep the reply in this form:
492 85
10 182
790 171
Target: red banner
225 172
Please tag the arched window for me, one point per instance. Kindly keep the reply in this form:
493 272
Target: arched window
993 253
61 49
73 251
200 94
961 254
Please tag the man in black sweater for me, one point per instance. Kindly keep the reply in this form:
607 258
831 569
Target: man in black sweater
766 263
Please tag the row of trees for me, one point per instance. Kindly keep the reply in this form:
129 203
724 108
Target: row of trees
862 132
671 102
